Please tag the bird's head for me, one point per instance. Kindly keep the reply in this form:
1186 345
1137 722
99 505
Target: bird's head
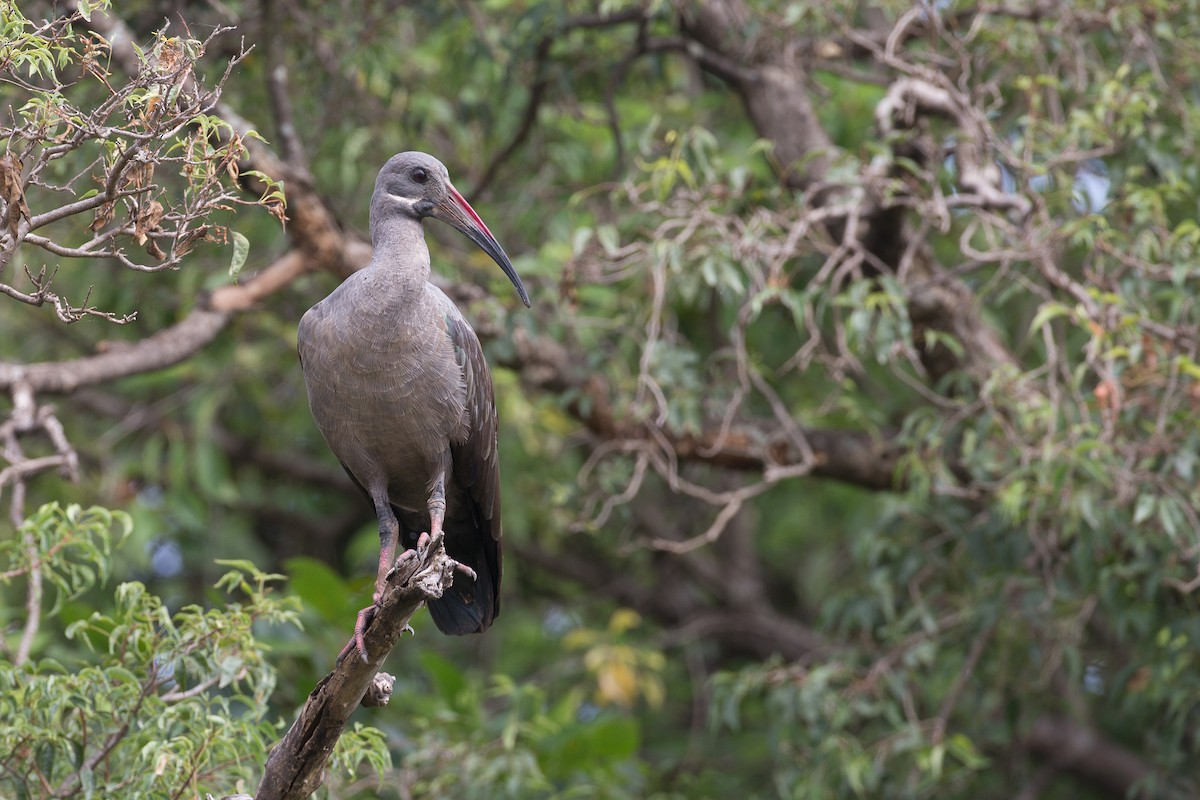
417 185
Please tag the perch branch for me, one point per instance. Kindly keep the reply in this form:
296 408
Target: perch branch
296 765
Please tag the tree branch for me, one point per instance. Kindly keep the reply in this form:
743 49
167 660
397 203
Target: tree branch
297 764
162 349
977 171
1096 760
850 456
772 90
537 92
290 145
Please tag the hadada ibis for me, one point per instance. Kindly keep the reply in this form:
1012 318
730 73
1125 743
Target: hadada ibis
400 390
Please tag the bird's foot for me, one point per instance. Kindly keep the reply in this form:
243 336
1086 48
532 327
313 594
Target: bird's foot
428 545
360 627
424 554
358 643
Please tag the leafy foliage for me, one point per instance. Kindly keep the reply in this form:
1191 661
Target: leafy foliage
71 548
141 701
73 124
987 289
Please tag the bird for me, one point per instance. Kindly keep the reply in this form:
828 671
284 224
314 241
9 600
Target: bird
398 386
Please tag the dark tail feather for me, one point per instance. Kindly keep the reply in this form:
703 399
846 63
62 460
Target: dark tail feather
467 606
470 607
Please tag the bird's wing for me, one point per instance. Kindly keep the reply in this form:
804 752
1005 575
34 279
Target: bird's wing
475 472
476 460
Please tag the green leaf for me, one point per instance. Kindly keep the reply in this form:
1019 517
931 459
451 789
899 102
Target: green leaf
580 239
87 776
1047 312
229 669
1172 518
608 238
1147 504
241 249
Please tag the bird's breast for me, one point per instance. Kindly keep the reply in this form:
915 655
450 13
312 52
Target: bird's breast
388 394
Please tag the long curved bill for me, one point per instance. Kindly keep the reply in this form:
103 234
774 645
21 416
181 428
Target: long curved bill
456 211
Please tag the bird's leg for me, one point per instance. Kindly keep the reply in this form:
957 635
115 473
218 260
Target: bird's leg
437 508
389 538
437 519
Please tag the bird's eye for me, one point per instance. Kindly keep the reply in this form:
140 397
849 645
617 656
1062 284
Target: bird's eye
420 175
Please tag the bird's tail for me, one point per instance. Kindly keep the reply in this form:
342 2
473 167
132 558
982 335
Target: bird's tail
470 606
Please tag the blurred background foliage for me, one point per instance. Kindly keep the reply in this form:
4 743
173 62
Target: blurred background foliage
1028 578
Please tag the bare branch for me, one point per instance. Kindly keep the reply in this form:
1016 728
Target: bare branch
296 765
537 91
33 589
278 90
155 352
977 170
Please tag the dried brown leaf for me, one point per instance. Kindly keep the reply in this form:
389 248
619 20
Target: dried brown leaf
148 110
147 219
184 243
12 192
170 51
104 215
139 176
275 209
230 159
10 178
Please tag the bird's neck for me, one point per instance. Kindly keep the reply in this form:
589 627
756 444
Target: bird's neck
400 267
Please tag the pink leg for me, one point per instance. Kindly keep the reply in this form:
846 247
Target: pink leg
389 539
437 519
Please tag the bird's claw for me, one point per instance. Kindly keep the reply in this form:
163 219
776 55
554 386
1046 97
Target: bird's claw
360 627
401 560
358 642
427 545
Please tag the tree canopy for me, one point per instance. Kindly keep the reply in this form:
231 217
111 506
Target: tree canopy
849 448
